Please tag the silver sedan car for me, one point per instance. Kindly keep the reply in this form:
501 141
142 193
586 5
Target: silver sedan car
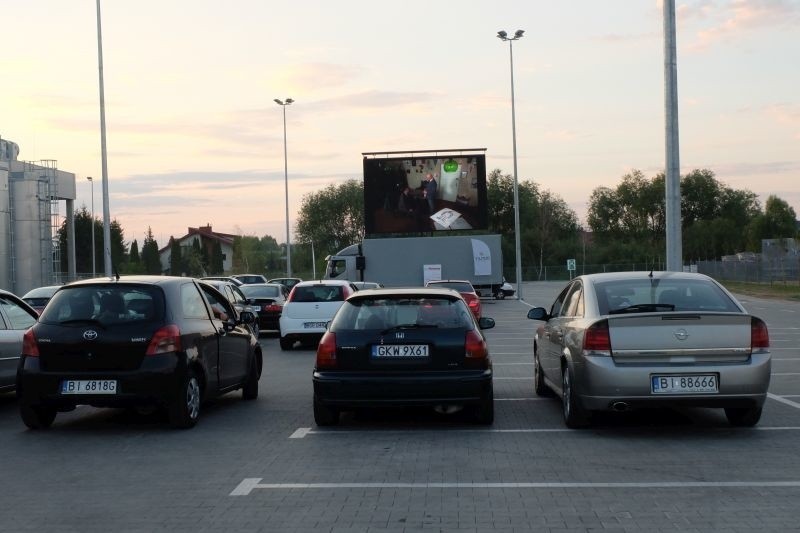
624 340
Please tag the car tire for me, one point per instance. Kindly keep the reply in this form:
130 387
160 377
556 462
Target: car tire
250 387
484 411
324 415
185 411
539 386
286 344
575 416
37 416
743 416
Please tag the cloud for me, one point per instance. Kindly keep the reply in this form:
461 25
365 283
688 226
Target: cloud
618 38
310 76
739 17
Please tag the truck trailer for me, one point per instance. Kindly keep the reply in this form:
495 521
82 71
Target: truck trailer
412 261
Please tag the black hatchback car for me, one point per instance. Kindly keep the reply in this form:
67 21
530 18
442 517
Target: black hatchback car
136 341
403 347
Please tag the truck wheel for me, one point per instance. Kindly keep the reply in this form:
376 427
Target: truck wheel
37 416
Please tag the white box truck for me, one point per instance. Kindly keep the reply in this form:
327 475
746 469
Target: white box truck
411 261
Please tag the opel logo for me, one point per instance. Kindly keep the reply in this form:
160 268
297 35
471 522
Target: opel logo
681 334
90 334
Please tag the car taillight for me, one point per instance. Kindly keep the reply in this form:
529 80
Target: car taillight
759 336
165 340
326 351
475 348
30 347
596 340
273 308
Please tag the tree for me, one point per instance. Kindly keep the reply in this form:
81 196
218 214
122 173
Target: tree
133 255
332 218
778 221
151 261
175 258
83 243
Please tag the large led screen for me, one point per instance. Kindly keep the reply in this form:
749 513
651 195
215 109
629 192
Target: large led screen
425 194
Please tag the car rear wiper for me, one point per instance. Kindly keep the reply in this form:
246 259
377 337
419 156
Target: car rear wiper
644 308
407 326
80 320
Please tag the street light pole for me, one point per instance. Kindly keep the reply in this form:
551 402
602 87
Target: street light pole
283 104
103 152
94 267
503 36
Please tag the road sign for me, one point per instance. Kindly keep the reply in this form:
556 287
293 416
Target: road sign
571 265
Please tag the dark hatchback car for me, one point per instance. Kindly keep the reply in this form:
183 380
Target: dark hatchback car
266 300
403 347
136 341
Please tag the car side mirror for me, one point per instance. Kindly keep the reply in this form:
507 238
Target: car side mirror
247 317
486 322
539 313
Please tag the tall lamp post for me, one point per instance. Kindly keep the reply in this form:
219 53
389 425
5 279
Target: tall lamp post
103 151
503 36
94 267
283 104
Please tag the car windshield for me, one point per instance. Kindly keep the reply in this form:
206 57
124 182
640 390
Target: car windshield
107 304
459 286
386 313
41 292
318 293
261 291
661 295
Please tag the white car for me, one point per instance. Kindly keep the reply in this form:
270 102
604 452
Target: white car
309 308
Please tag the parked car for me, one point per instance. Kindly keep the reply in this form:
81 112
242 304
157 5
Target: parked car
237 299
635 339
230 279
266 300
464 288
136 341
403 347
250 278
289 283
363 285
309 308
16 316
38 297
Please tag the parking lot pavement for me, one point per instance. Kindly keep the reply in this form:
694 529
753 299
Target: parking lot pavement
265 466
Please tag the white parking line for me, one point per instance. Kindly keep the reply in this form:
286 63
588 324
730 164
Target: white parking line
300 433
247 485
778 374
783 400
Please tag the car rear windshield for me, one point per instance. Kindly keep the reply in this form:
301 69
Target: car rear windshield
107 304
392 312
661 295
255 291
318 293
455 285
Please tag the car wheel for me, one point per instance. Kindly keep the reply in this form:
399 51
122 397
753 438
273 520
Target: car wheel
539 386
484 411
286 344
250 388
574 414
743 416
37 416
324 415
185 412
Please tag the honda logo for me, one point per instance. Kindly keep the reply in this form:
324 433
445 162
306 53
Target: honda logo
90 334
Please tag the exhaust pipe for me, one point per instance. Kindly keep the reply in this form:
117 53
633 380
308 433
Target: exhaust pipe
620 406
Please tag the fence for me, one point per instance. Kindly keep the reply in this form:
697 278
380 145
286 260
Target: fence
560 272
781 270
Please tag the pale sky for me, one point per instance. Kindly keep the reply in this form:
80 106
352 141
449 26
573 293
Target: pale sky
194 136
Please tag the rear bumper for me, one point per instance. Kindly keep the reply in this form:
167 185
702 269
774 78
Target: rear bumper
269 321
352 389
600 383
156 382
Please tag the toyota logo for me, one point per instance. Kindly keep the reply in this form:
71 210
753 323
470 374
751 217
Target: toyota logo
681 334
90 334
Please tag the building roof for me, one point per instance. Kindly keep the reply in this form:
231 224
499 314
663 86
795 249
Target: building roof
205 232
